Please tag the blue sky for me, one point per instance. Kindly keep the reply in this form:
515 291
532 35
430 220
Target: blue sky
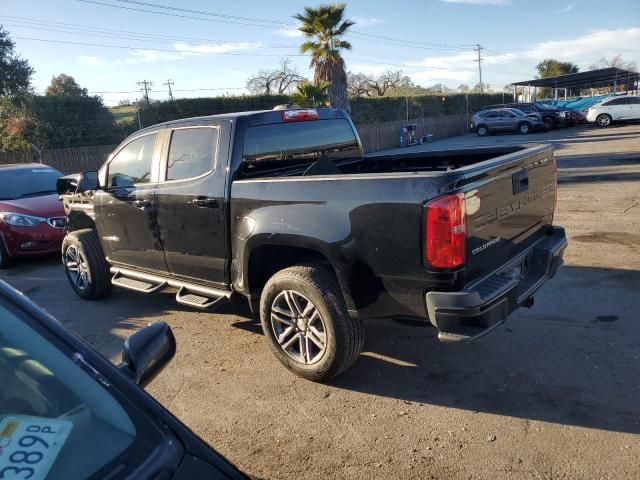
222 51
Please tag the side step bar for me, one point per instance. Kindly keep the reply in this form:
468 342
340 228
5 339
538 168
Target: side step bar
186 297
190 294
138 285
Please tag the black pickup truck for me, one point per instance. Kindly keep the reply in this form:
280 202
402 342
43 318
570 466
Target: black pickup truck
282 208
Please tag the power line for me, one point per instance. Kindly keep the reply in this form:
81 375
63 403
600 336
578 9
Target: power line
262 23
98 31
203 12
166 50
175 14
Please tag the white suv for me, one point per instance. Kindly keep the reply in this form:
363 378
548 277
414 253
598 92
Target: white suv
614 109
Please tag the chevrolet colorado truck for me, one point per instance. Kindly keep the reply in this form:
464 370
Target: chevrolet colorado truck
283 209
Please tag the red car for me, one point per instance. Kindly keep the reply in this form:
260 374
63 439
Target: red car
32 218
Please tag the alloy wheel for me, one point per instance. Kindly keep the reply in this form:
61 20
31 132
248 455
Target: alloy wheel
298 327
77 267
604 121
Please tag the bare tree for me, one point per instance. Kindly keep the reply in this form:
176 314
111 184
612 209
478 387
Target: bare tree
438 88
360 84
615 61
463 88
277 81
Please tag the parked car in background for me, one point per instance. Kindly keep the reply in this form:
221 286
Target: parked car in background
550 115
576 118
612 110
32 217
66 412
505 120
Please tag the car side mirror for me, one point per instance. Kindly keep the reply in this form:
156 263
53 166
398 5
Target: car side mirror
147 352
78 183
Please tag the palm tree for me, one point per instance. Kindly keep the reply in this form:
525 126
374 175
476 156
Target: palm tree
323 27
309 95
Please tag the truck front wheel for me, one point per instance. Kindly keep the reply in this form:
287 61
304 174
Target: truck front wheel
85 265
305 321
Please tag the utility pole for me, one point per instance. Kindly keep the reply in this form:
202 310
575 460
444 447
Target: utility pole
146 87
478 49
168 84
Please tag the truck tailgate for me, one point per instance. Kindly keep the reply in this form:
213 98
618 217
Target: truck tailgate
508 204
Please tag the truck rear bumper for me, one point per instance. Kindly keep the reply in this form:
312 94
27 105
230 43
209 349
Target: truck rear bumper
471 313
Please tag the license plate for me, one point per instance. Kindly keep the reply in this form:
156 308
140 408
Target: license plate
30 445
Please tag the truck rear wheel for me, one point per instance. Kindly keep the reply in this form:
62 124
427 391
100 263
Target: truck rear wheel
85 265
305 321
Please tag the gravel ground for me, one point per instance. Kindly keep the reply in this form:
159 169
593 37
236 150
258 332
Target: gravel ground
554 393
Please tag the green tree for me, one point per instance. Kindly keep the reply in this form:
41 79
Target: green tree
550 67
19 129
15 72
323 27
65 85
309 95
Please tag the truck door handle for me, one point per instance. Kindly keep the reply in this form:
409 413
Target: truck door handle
142 204
520 181
205 202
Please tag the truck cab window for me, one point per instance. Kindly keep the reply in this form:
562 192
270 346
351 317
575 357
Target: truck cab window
191 152
132 164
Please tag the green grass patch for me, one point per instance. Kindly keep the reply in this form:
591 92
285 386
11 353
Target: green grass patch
124 113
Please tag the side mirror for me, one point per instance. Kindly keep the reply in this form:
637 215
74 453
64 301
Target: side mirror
77 183
147 352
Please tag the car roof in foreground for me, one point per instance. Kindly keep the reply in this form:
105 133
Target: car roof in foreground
24 166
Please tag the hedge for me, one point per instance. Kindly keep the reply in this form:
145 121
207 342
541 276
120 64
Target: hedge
57 121
363 109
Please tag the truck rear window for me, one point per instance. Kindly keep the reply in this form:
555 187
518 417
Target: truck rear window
284 144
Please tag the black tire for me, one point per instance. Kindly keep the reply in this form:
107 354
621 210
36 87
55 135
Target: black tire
524 128
344 336
482 131
603 120
93 270
550 122
5 259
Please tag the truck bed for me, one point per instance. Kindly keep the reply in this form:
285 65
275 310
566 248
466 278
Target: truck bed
369 213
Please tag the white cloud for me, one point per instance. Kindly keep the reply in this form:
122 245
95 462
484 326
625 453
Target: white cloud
589 48
568 8
480 2
289 32
366 21
92 61
217 48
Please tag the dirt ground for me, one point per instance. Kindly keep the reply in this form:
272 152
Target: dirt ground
552 394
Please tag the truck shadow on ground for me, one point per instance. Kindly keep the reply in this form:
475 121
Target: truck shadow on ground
571 360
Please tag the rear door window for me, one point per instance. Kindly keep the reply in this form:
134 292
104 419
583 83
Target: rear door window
192 152
299 142
614 102
132 164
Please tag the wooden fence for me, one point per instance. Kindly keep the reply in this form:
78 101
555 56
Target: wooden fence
383 135
375 137
67 160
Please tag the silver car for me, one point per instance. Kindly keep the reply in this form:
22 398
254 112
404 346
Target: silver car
505 120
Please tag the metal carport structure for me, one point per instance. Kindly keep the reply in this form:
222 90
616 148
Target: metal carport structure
605 77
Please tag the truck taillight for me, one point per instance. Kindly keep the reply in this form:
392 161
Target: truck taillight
445 232
300 115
